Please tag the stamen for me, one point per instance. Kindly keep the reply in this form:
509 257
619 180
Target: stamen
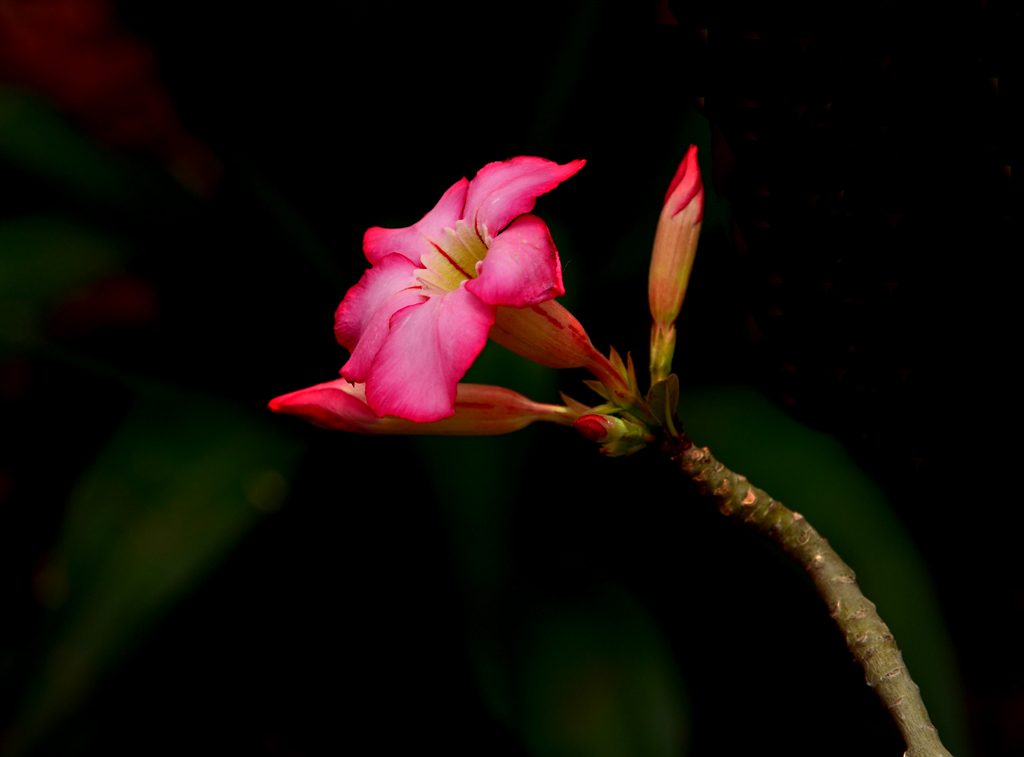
430 282
471 240
455 265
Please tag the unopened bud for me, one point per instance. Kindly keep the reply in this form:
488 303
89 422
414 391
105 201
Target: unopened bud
594 428
675 245
616 435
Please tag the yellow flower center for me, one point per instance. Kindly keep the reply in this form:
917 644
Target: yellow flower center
453 261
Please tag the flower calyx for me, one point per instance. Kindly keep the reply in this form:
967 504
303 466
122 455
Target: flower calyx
549 334
617 383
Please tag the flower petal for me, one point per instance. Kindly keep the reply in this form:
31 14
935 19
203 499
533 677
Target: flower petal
430 348
501 191
414 241
335 405
685 186
521 267
362 320
480 410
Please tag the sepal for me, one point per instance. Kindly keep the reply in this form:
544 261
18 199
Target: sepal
616 360
598 388
631 374
574 405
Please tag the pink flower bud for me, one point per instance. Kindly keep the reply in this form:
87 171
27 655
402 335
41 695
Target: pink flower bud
594 428
617 436
675 245
480 410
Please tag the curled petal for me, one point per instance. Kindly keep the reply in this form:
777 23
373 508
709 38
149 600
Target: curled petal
363 317
503 190
521 267
335 405
480 410
415 241
429 348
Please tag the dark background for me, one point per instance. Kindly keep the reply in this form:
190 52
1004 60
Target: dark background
519 595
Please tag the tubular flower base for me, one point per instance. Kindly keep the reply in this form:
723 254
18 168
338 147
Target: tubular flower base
418 318
546 333
550 335
480 410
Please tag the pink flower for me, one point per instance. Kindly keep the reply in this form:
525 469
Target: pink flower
418 318
479 410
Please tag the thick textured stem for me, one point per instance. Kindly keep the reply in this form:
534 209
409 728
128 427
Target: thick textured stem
867 636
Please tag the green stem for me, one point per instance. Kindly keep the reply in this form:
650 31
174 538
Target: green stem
867 636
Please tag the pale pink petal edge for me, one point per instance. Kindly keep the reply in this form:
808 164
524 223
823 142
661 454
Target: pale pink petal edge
334 405
362 319
502 190
415 241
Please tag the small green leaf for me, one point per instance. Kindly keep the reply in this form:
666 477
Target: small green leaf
663 398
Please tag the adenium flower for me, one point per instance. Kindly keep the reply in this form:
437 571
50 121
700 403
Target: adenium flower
479 410
418 318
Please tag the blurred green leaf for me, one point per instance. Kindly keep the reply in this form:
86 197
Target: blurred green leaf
38 140
176 488
600 681
813 474
41 259
590 678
